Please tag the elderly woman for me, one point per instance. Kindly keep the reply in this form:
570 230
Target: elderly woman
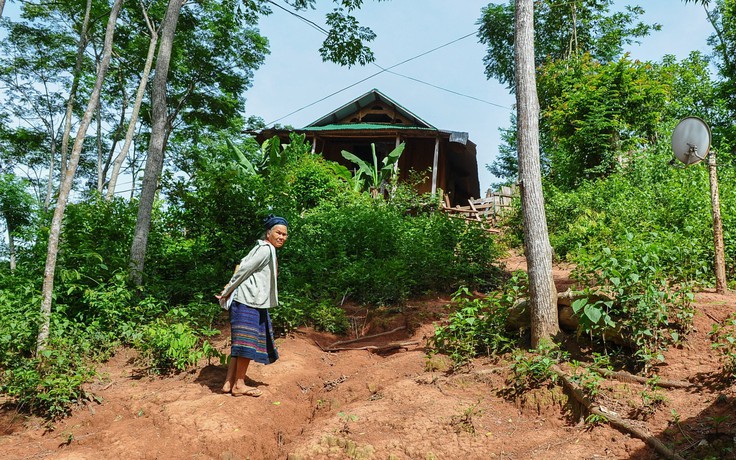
249 294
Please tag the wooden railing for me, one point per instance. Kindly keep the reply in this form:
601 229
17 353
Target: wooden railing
486 210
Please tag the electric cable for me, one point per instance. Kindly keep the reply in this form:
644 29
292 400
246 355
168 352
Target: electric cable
386 69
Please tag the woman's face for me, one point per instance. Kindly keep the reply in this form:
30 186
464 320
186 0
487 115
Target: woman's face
277 235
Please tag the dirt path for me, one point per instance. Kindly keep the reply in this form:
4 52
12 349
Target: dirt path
361 405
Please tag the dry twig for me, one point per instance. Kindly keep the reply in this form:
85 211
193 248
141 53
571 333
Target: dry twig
365 337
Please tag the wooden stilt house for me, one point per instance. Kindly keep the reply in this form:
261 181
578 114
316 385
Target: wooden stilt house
447 157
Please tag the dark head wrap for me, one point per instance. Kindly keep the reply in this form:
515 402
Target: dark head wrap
272 220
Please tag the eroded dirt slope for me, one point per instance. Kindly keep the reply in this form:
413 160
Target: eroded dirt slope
364 405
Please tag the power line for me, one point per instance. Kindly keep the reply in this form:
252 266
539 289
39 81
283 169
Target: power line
387 69
125 191
445 89
312 24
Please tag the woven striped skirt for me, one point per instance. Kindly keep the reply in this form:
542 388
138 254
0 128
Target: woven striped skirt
252 334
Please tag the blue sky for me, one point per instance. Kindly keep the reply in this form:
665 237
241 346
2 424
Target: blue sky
294 77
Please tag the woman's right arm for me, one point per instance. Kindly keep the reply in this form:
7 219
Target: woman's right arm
254 261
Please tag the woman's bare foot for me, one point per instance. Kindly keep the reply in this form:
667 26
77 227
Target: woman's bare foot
226 387
246 391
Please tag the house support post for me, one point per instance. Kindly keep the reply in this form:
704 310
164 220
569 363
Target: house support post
435 163
314 144
396 145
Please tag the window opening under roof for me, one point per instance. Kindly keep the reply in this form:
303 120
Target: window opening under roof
377 118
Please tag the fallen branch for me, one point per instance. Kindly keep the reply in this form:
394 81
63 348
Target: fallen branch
376 348
365 337
614 420
318 344
626 377
717 321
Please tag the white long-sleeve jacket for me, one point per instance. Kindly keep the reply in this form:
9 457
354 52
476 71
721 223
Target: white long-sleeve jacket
254 281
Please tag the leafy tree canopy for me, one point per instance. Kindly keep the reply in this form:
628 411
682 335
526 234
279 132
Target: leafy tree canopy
562 30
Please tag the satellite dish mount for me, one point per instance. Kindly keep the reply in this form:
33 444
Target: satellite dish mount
691 140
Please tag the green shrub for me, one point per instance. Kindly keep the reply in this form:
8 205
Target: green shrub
372 252
48 387
476 327
534 370
173 343
723 337
323 315
96 239
50 384
329 317
645 307
289 315
667 206
19 310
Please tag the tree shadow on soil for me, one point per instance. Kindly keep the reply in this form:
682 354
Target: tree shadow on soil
708 436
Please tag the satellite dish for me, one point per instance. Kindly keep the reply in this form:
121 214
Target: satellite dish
691 140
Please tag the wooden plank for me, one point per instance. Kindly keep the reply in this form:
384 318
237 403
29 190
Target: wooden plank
474 212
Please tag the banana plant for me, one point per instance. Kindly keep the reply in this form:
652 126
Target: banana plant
271 155
241 161
372 177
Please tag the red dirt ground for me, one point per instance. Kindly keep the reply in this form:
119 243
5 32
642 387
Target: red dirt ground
365 405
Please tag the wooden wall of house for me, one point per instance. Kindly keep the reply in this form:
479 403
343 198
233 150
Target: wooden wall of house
418 156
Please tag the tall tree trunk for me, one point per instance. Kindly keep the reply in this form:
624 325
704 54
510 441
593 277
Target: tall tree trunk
114 145
155 160
136 109
50 185
542 291
2 6
81 46
11 247
68 179
100 173
116 137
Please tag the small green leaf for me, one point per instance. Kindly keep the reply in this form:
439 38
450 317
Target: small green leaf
593 313
579 304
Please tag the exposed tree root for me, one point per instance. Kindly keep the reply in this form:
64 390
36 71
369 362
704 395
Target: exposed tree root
626 377
616 375
614 420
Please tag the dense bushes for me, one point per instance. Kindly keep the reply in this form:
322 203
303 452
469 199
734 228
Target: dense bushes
342 245
102 318
372 252
663 206
641 240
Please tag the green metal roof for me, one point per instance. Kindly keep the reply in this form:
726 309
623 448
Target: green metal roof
366 127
